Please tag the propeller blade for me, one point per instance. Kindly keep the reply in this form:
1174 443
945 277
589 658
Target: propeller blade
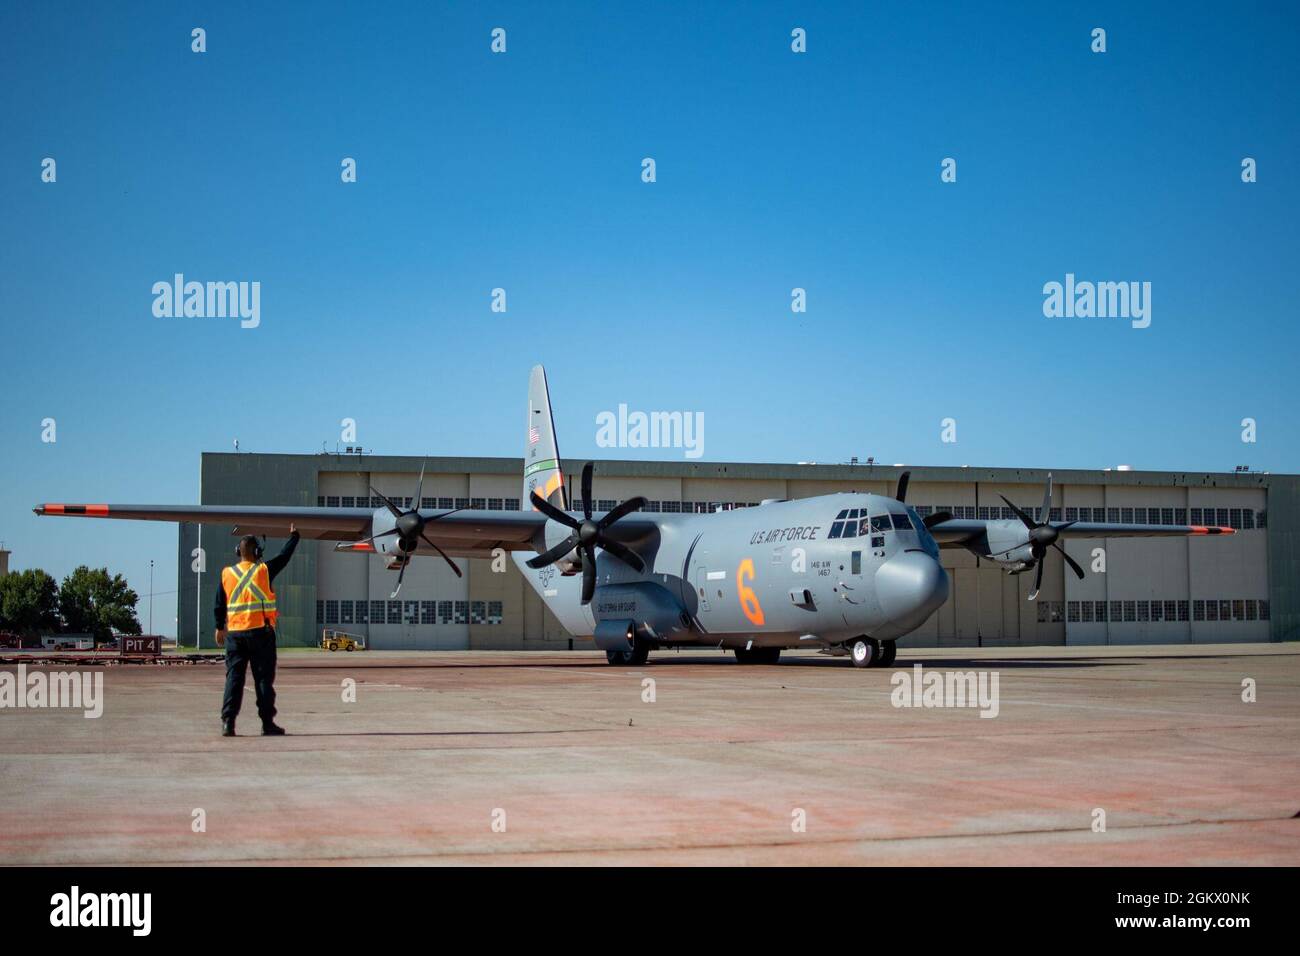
622 511
443 553
586 490
1027 521
397 512
1046 513
939 517
903 479
624 554
400 574
419 488
588 575
1038 581
552 512
557 552
1069 560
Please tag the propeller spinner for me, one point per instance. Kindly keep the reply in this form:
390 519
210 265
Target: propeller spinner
588 535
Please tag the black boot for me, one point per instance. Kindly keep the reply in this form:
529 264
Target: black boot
228 728
271 729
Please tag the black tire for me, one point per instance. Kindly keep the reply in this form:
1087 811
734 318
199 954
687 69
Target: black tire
635 656
349 648
769 655
864 651
888 651
743 656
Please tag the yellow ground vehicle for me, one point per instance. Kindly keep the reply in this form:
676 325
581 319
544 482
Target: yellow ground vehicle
332 640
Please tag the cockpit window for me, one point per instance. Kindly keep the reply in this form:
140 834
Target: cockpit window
880 523
846 523
901 523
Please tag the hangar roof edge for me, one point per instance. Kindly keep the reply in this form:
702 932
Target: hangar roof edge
620 468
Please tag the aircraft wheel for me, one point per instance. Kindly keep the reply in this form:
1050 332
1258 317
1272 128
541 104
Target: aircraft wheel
634 656
769 655
888 651
864 651
744 657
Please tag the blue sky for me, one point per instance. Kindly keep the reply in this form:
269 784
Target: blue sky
522 171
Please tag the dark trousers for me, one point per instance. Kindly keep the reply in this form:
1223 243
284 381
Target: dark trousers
256 647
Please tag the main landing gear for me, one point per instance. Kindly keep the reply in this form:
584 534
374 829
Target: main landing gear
634 656
869 652
758 655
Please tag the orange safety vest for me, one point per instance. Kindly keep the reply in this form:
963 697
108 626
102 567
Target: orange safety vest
250 602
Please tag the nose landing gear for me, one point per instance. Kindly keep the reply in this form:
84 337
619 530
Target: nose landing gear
869 652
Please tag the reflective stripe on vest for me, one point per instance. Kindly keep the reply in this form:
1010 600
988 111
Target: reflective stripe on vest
250 602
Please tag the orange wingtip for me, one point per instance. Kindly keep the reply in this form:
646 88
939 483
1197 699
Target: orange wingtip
365 546
1203 529
93 510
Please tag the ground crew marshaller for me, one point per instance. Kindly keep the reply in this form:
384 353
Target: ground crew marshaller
246 617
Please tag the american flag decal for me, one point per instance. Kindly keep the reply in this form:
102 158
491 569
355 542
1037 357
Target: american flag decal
533 436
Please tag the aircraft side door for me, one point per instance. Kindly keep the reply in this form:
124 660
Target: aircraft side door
700 581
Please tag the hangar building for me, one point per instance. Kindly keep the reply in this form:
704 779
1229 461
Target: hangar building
1178 590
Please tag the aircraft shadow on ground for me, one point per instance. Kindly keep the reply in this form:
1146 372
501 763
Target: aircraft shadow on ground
667 659
455 733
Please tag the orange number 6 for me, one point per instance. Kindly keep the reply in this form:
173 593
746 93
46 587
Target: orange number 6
748 599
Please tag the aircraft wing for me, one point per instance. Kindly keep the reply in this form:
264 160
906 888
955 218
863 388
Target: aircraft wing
1094 529
956 532
459 532
329 524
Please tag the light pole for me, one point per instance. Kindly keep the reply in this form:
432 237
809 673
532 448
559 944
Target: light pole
151 595
198 593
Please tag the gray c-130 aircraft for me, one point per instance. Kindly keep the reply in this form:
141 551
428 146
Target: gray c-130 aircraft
847 573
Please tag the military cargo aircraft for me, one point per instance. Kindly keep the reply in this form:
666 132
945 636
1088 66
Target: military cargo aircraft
848 573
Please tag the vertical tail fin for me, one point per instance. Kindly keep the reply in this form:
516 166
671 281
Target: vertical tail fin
541 451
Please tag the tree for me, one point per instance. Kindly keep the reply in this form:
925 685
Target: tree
91 602
29 602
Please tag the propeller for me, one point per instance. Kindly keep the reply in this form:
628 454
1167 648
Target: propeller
901 493
938 517
1043 534
409 527
588 535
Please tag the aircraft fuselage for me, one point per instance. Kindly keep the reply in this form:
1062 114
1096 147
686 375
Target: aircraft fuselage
808 573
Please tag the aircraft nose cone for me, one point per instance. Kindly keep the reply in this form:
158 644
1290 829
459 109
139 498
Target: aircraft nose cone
910 587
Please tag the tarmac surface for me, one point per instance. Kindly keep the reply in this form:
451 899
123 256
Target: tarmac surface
523 758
